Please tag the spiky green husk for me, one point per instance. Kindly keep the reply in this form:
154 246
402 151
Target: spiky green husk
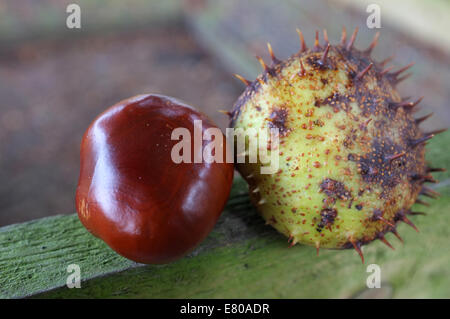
351 155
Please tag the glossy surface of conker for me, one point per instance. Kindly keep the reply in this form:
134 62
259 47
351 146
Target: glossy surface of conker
132 194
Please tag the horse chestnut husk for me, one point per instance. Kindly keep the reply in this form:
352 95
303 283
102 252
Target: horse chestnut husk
132 195
351 152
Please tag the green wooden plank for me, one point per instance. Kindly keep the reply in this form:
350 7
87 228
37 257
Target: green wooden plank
241 258
34 255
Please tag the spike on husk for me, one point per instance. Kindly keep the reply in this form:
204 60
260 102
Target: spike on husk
352 40
317 46
357 247
384 241
272 55
303 46
373 44
396 234
364 71
242 79
325 37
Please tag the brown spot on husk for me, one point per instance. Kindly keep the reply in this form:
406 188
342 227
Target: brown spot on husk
375 169
335 189
278 119
328 216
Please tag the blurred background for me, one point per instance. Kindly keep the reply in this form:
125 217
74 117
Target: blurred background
55 80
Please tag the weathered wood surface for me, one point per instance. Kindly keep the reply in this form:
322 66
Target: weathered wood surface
241 258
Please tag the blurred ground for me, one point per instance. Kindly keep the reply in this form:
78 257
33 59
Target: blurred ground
50 92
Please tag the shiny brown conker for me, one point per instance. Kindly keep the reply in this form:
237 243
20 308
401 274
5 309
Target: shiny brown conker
132 195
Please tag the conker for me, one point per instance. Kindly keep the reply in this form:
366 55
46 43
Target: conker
132 195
